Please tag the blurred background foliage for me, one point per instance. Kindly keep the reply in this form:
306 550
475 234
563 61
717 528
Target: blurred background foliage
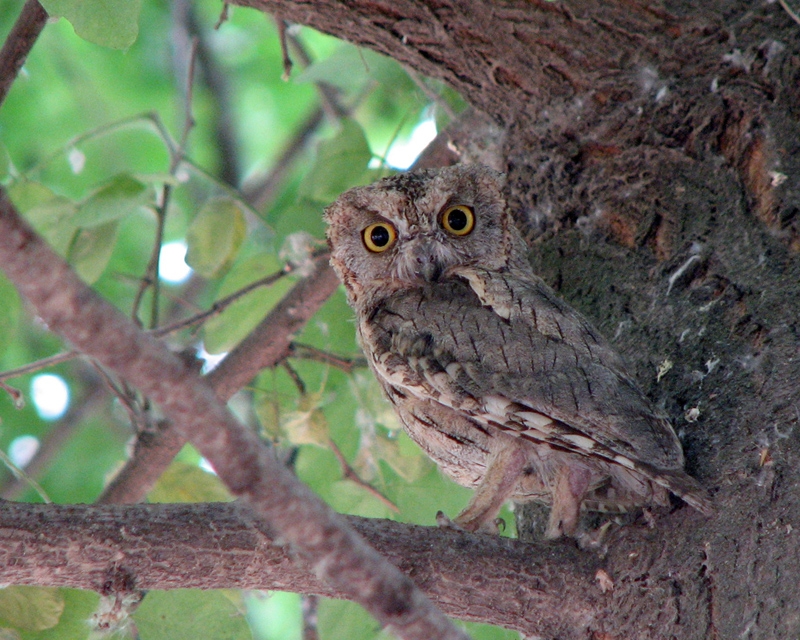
112 155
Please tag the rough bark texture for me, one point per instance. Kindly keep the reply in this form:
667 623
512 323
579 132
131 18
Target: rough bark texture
653 157
220 546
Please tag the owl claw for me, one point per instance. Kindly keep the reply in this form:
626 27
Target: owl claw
593 540
445 522
493 527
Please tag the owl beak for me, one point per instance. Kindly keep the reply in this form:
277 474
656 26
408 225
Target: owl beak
422 260
430 270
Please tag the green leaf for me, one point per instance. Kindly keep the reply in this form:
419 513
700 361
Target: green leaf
73 622
215 236
224 331
341 163
9 313
183 482
410 465
78 608
91 250
275 616
109 23
31 608
120 197
488 632
342 619
307 424
49 214
349 67
5 162
187 614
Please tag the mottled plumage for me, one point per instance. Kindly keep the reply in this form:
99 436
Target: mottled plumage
507 388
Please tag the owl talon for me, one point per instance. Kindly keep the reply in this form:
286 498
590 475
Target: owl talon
445 522
593 540
493 527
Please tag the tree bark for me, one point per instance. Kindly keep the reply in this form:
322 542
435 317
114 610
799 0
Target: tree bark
653 160
547 590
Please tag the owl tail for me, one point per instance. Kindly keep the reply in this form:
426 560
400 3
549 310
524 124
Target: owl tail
686 488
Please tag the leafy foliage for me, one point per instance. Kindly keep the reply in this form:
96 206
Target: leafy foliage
92 152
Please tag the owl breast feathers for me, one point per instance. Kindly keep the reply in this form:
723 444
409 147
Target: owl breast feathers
507 388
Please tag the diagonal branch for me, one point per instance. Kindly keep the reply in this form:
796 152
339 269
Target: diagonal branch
543 590
19 43
251 472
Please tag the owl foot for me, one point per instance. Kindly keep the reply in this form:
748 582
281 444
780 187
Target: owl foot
493 527
445 522
593 540
570 488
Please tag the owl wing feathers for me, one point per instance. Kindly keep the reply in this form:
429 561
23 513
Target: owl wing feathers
506 351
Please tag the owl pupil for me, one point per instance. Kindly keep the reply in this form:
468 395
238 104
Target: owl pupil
380 236
457 220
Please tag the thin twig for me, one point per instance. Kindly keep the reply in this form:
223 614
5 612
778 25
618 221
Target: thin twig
109 128
348 473
432 95
310 605
307 352
790 11
218 307
16 394
296 379
217 80
287 60
150 278
23 477
329 95
188 118
123 393
38 365
19 43
261 191
224 14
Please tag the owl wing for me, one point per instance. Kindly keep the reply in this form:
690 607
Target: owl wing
506 351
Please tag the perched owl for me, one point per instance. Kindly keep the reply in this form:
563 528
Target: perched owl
506 387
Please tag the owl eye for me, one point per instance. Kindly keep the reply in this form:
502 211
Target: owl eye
458 220
379 237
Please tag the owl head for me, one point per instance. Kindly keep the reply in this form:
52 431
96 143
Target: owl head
418 228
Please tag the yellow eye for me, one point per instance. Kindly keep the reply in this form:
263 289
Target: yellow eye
379 237
458 220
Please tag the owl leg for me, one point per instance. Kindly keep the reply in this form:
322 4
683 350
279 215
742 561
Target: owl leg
571 485
504 466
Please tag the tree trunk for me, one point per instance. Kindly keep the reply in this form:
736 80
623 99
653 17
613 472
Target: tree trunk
653 160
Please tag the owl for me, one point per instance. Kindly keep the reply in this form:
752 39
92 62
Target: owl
506 387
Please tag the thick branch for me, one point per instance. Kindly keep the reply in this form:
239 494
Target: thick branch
517 52
249 470
546 590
